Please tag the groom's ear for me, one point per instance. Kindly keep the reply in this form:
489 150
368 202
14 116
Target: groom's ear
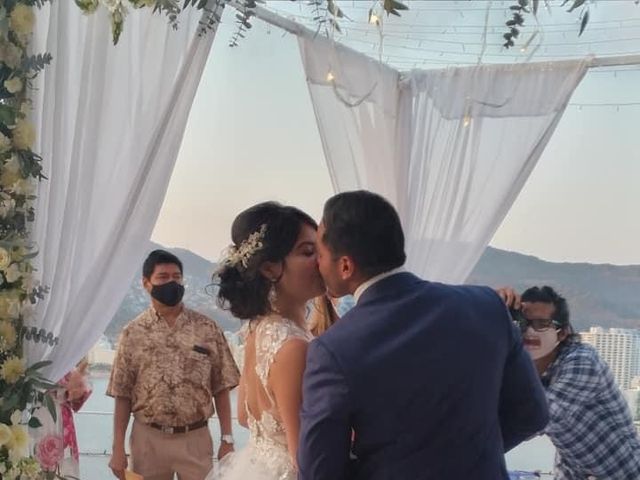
346 267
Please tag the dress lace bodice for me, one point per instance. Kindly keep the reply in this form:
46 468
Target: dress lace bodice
268 435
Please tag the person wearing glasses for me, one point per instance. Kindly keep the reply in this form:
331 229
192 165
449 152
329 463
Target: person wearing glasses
590 423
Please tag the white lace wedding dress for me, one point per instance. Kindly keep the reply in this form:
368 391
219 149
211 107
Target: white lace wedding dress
266 456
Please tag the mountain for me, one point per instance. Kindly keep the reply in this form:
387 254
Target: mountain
198 294
605 295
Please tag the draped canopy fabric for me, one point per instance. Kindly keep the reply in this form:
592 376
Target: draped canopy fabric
450 148
110 120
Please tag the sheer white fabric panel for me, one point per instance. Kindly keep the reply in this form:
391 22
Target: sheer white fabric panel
110 121
451 149
471 137
358 140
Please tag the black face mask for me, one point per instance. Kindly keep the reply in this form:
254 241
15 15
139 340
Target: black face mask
169 294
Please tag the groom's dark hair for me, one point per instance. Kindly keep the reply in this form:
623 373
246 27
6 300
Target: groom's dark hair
366 227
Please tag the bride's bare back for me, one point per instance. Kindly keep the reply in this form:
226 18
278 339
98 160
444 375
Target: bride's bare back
271 386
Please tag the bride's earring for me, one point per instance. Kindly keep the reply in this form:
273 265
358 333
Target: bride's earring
273 297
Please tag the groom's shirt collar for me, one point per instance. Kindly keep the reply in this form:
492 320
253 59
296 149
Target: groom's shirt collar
373 280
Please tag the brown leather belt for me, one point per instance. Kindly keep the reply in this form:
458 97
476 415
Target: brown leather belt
185 429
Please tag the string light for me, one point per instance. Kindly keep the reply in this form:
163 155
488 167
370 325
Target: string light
528 42
330 76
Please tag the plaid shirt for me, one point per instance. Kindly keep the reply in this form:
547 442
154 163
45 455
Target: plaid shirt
590 424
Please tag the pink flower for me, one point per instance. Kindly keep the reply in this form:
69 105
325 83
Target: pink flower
49 452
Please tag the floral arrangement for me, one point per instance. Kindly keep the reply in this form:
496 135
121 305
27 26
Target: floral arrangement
118 10
23 389
327 12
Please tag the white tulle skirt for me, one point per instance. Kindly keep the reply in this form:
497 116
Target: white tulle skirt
252 463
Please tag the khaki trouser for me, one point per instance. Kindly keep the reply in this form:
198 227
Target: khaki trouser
157 455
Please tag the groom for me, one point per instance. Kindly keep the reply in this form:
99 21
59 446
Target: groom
431 380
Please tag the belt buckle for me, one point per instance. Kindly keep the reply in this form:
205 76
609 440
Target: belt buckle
166 429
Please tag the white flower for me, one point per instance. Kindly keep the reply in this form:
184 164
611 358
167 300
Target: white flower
16 417
7 179
5 258
13 273
19 445
12 165
10 55
5 143
11 371
9 336
13 474
11 172
30 468
13 85
24 186
22 19
23 135
9 304
25 108
6 206
5 436
87 6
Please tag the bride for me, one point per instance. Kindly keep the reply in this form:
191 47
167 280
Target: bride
268 277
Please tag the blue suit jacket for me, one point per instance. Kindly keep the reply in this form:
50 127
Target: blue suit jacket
431 378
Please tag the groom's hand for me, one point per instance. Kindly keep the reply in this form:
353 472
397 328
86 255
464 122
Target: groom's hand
118 463
224 450
509 296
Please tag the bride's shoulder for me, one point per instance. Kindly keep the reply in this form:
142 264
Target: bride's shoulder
276 330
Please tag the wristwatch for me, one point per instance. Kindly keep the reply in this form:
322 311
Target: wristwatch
227 439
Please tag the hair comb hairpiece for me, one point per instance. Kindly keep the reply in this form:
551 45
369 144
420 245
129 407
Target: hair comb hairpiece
240 256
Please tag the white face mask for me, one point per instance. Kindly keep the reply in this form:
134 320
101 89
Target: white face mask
541 344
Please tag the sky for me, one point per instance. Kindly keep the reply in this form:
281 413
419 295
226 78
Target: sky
252 135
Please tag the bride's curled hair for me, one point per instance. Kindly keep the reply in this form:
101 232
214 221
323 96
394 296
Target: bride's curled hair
266 232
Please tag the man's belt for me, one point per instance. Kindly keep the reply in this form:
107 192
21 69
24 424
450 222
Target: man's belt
185 429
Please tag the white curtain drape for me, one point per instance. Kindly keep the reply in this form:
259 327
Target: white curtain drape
110 120
451 148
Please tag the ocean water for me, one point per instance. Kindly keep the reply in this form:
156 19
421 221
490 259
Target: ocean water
95 435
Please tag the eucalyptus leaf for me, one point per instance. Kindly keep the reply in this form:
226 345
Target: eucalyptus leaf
584 22
49 403
576 4
34 422
38 365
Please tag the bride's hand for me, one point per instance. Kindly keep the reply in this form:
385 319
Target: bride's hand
224 450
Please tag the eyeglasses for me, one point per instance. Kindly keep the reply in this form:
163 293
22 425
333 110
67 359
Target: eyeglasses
537 324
